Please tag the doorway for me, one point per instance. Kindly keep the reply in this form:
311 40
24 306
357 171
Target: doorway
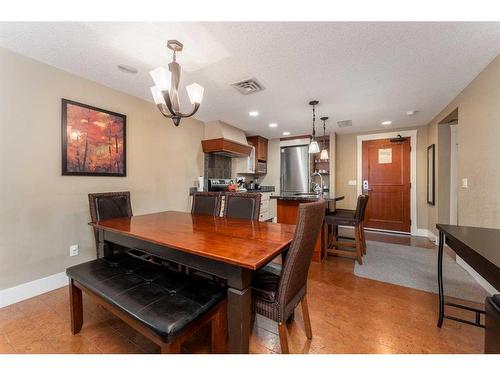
386 180
389 171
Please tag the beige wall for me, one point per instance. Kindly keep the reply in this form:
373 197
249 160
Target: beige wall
272 178
41 212
478 151
346 169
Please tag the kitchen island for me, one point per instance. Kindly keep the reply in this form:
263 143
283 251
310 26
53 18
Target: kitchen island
287 210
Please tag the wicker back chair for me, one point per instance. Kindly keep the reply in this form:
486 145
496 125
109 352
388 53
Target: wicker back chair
242 206
206 203
105 206
277 295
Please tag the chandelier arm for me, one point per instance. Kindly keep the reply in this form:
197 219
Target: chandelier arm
195 109
161 107
169 104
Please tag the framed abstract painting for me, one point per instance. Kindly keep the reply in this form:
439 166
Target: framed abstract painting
93 141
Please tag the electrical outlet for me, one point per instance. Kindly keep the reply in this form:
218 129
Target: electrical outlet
353 182
73 250
465 183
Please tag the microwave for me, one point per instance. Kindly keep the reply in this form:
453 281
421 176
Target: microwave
261 167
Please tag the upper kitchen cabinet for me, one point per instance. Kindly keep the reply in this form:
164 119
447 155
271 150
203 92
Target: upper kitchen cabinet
260 144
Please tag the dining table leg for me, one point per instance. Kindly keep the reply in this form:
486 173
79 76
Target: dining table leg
239 306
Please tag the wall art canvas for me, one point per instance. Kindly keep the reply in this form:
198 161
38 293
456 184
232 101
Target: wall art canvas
93 141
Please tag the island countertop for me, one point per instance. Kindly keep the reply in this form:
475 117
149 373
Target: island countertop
305 198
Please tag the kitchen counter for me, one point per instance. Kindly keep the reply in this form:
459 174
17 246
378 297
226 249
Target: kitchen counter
306 198
263 189
287 209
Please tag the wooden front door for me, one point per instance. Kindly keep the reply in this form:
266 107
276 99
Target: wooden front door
386 179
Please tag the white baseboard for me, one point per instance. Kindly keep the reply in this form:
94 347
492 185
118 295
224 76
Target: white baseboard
422 232
31 289
480 280
427 233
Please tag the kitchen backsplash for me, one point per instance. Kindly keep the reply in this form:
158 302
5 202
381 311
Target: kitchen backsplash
217 166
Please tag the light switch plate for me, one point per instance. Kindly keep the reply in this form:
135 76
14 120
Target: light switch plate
73 250
353 182
465 183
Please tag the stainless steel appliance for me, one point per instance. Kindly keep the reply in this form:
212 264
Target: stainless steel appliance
218 184
261 167
295 169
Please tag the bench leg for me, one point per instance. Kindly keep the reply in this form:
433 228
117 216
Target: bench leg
76 307
219 329
173 347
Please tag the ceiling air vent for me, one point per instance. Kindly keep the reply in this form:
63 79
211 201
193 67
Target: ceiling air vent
344 124
248 86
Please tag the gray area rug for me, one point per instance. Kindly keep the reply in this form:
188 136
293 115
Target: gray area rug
416 268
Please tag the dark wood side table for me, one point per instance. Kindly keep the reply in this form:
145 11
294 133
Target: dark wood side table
480 249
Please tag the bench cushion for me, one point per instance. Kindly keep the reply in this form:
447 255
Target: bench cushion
164 300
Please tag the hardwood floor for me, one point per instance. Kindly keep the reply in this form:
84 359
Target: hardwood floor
348 315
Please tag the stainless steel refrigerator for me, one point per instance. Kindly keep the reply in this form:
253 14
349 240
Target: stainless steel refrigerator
295 169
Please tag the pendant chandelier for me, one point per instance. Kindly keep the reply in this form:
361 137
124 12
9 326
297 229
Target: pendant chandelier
324 151
166 89
313 146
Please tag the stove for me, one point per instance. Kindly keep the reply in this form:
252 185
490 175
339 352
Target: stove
218 184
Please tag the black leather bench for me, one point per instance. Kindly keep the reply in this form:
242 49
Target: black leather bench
162 304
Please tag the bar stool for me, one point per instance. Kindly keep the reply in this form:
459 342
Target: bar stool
352 218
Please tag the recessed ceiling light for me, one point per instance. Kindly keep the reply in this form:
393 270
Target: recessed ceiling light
253 113
386 123
286 133
412 112
127 68
273 125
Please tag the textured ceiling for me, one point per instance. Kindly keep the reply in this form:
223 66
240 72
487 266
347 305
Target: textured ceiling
362 71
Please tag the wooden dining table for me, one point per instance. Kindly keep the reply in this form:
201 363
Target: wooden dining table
231 249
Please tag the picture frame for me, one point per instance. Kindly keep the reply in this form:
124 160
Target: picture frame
93 141
431 174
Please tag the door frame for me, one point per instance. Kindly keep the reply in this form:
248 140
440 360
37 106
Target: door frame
413 169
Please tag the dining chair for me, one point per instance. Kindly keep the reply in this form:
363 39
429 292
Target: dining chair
206 203
105 206
353 218
275 294
242 206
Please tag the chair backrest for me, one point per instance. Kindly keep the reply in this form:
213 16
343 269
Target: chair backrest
361 207
242 206
104 206
294 273
206 203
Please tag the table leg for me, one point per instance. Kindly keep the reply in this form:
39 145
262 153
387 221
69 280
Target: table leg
440 279
104 248
239 316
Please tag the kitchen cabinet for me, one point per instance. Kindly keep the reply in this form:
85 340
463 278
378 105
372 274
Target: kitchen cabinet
260 144
246 165
267 207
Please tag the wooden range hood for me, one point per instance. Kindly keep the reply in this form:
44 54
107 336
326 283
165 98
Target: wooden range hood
225 147
223 139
